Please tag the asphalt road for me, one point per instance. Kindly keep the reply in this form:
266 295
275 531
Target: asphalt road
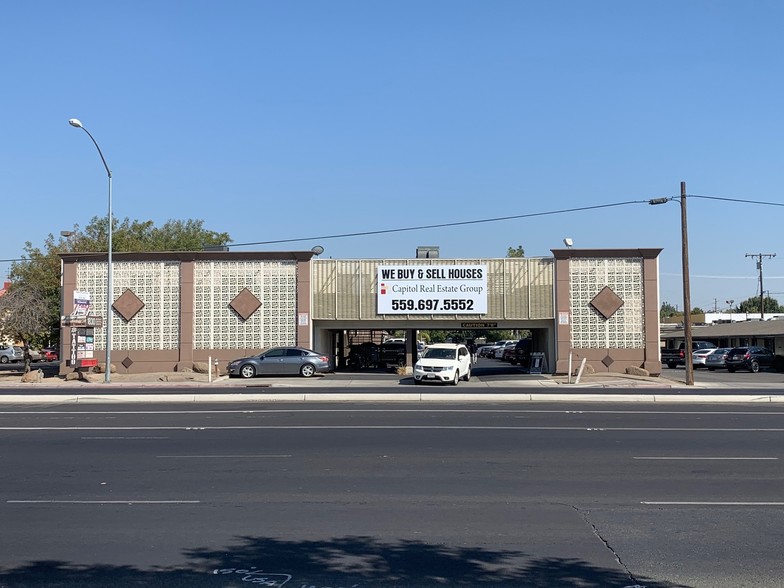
360 495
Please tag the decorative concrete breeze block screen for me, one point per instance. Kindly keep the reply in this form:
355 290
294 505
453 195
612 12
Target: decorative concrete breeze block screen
157 284
624 329
217 283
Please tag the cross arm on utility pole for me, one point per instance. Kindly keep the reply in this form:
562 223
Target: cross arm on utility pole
759 257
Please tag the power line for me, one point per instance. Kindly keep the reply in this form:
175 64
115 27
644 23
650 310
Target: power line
504 218
481 221
444 225
741 201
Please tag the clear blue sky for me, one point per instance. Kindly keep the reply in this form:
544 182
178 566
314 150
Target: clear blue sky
283 120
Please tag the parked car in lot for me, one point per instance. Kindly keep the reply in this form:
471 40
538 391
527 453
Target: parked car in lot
674 357
502 345
369 355
51 353
717 359
281 361
522 353
443 362
749 358
35 355
487 350
10 354
699 356
393 353
364 355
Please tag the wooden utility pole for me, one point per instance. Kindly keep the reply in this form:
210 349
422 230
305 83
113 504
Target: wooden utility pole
686 293
759 257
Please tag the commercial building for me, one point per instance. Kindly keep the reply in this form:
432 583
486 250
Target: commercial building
767 333
171 310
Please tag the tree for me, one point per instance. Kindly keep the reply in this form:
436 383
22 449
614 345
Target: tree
26 316
39 272
697 310
753 305
515 251
462 335
130 236
667 310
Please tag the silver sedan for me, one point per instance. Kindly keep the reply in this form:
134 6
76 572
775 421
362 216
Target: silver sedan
281 361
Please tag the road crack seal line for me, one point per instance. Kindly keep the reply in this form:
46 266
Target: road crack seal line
596 532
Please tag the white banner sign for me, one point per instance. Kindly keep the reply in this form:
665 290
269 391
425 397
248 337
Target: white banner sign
432 289
81 303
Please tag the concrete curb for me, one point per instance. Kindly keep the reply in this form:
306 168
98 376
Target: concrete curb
282 397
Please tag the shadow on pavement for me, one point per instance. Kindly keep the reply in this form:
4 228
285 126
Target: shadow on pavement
356 562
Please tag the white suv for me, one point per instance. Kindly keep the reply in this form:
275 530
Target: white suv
443 362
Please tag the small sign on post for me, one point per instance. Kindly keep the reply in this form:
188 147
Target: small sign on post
537 362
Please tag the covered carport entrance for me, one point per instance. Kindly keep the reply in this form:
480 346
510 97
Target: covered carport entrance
340 342
377 296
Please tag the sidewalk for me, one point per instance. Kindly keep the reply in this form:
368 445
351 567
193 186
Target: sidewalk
179 387
338 379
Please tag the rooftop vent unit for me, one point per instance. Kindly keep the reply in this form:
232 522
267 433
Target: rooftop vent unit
427 252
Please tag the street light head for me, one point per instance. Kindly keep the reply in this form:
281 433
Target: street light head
75 122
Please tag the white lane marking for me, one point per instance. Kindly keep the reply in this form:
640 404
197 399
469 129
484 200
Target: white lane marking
402 427
113 438
714 503
103 501
709 458
220 456
383 410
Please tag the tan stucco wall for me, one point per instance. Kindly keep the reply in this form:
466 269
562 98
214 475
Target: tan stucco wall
646 357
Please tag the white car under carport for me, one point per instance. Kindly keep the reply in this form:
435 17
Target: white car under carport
443 362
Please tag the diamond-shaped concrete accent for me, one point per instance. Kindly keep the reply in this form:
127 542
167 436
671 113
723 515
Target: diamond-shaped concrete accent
606 302
127 362
128 305
245 304
608 361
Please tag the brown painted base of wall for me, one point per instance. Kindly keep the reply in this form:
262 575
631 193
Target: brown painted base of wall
142 362
618 360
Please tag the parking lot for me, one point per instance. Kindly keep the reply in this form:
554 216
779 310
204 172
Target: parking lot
722 376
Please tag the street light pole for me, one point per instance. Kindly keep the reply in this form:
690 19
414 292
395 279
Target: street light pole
75 122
